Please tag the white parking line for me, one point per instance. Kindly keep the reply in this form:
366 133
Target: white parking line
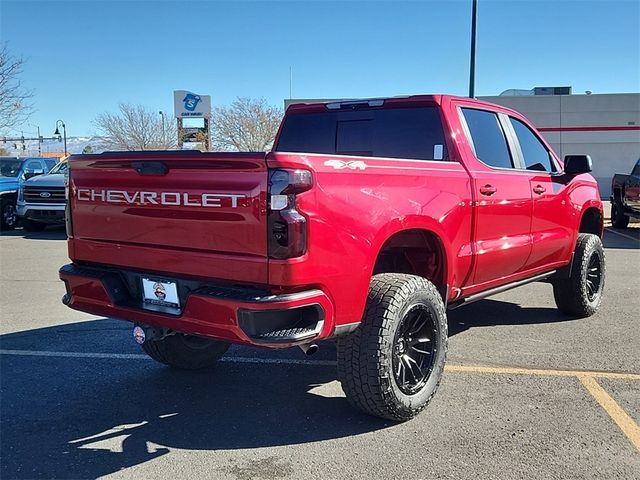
536 372
622 235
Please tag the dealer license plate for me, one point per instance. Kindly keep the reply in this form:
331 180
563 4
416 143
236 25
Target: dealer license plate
160 293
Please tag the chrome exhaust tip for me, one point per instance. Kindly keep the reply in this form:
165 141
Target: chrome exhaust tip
309 348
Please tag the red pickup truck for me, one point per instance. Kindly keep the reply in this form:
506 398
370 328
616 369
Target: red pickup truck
367 221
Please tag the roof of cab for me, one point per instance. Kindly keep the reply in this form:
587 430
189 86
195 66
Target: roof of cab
397 100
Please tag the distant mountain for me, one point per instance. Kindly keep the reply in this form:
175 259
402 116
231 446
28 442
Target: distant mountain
74 145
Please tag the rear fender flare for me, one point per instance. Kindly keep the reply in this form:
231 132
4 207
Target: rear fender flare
413 222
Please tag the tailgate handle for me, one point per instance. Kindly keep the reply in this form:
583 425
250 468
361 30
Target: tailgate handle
150 168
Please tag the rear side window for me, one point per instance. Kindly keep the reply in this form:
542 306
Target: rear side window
488 139
536 156
414 133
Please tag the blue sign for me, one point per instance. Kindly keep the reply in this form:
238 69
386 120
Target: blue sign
191 101
187 104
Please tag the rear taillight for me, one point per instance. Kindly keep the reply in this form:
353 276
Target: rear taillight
67 207
287 227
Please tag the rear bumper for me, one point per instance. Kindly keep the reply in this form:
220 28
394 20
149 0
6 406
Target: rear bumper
234 314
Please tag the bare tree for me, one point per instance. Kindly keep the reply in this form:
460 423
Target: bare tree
247 125
15 99
135 127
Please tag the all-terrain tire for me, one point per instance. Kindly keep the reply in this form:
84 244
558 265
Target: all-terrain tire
368 357
8 217
31 226
618 218
581 294
185 352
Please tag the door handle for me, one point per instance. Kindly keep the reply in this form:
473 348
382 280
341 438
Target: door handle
539 189
488 190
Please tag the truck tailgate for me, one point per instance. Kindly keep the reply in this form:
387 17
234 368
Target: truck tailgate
195 213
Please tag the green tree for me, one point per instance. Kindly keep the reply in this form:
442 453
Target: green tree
87 149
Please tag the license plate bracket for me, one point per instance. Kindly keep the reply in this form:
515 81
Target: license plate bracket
159 294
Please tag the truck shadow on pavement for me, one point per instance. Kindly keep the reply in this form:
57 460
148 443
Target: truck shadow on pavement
490 312
83 417
88 417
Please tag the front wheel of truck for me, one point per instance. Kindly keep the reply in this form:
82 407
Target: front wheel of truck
391 366
186 352
580 294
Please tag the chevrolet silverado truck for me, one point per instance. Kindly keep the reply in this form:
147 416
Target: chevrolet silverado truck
625 197
367 221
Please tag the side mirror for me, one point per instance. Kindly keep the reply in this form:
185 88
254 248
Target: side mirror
33 173
577 164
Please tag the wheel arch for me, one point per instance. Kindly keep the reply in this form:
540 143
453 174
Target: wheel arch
417 250
592 221
10 195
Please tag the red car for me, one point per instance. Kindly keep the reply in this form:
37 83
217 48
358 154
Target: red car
367 221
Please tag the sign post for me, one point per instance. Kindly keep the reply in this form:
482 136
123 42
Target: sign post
189 105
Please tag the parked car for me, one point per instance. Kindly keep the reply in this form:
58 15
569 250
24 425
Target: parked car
14 171
367 221
41 200
625 197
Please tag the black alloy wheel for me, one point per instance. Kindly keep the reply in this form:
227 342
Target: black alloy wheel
594 276
414 349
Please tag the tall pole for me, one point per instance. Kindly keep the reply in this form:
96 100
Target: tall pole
164 136
290 81
39 139
472 65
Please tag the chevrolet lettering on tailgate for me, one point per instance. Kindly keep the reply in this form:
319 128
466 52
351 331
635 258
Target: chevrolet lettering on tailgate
158 198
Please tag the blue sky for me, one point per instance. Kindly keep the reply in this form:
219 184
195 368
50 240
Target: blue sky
84 57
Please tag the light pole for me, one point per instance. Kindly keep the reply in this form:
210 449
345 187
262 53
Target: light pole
39 139
472 64
164 136
64 130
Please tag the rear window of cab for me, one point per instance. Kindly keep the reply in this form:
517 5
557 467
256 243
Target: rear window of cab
409 133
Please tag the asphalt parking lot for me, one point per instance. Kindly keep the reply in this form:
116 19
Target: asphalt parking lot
528 393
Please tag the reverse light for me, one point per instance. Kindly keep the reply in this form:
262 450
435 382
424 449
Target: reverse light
287 227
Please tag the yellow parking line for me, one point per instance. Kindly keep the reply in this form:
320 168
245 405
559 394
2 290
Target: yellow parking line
615 411
540 372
